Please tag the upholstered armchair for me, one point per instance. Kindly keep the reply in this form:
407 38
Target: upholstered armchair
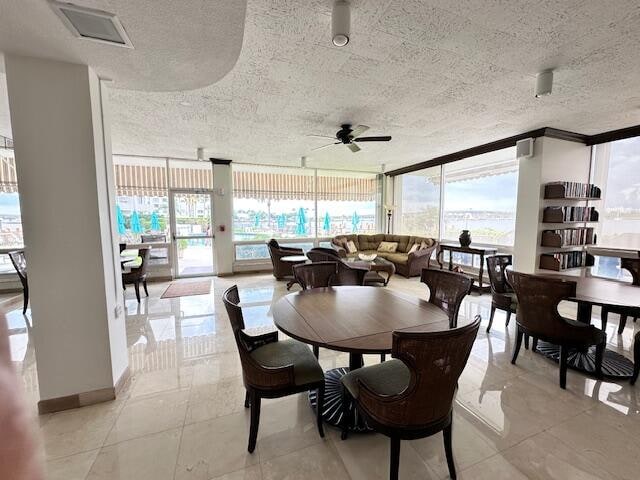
282 270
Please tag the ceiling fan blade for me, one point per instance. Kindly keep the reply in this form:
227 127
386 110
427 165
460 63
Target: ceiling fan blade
321 136
359 130
325 146
372 139
353 147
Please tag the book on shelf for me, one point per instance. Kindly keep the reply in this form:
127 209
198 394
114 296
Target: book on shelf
568 237
565 260
570 214
571 190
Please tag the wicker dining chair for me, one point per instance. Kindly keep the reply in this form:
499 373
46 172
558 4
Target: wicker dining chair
138 275
272 368
348 275
411 396
502 295
315 275
446 291
537 316
322 254
20 264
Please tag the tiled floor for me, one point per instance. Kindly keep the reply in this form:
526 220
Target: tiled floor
182 416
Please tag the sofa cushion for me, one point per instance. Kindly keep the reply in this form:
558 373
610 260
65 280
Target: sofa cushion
370 242
403 242
345 238
388 247
351 246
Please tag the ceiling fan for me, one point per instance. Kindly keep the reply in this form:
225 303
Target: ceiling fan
346 135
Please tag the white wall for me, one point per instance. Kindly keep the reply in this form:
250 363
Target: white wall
554 160
63 168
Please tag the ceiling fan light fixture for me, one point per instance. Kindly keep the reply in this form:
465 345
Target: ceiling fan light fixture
544 83
340 23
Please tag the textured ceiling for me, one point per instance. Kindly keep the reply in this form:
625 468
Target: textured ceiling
437 75
179 44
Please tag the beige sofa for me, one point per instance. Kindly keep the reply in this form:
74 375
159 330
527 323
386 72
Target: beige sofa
407 264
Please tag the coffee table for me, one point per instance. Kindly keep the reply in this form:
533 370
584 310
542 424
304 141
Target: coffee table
377 266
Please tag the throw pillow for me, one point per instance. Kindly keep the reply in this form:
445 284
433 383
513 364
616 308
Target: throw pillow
351 247
424 245
414 248
388 247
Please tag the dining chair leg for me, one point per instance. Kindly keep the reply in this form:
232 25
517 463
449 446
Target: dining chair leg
564 354
383 357
346 413
316 351
604 318
136 285
394 459
255 420
506 324
516 348
320 409
622 324
636 361
526 341
599 357
144 284
25 294
493 312
534 345
247 399
448 450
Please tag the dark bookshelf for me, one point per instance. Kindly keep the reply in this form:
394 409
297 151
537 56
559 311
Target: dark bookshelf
562 261
568 237
566 214
572 191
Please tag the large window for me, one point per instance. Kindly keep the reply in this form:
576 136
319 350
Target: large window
299 206
478 194
142 201
346 203
617 172
418 194
10 220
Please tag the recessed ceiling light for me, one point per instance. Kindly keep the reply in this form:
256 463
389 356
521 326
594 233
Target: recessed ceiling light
544 83
92 24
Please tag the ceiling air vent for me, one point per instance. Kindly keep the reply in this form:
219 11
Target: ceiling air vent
96 25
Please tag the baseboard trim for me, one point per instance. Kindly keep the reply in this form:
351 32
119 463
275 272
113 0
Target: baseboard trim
85 399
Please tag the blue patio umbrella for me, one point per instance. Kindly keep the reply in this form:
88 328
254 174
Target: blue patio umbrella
256 220
120 219
326 226
135 223
282 220
355 221
155 222
301 226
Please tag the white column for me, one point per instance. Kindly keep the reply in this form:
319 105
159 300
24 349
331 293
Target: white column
65 177
223 216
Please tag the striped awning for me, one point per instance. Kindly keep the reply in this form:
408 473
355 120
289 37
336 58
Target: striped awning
289 186
148 180
8 178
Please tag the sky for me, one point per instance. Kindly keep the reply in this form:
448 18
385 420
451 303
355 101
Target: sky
9 204
623 183
493 193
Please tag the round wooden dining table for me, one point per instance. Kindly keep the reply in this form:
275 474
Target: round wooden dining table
601 292
357 320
